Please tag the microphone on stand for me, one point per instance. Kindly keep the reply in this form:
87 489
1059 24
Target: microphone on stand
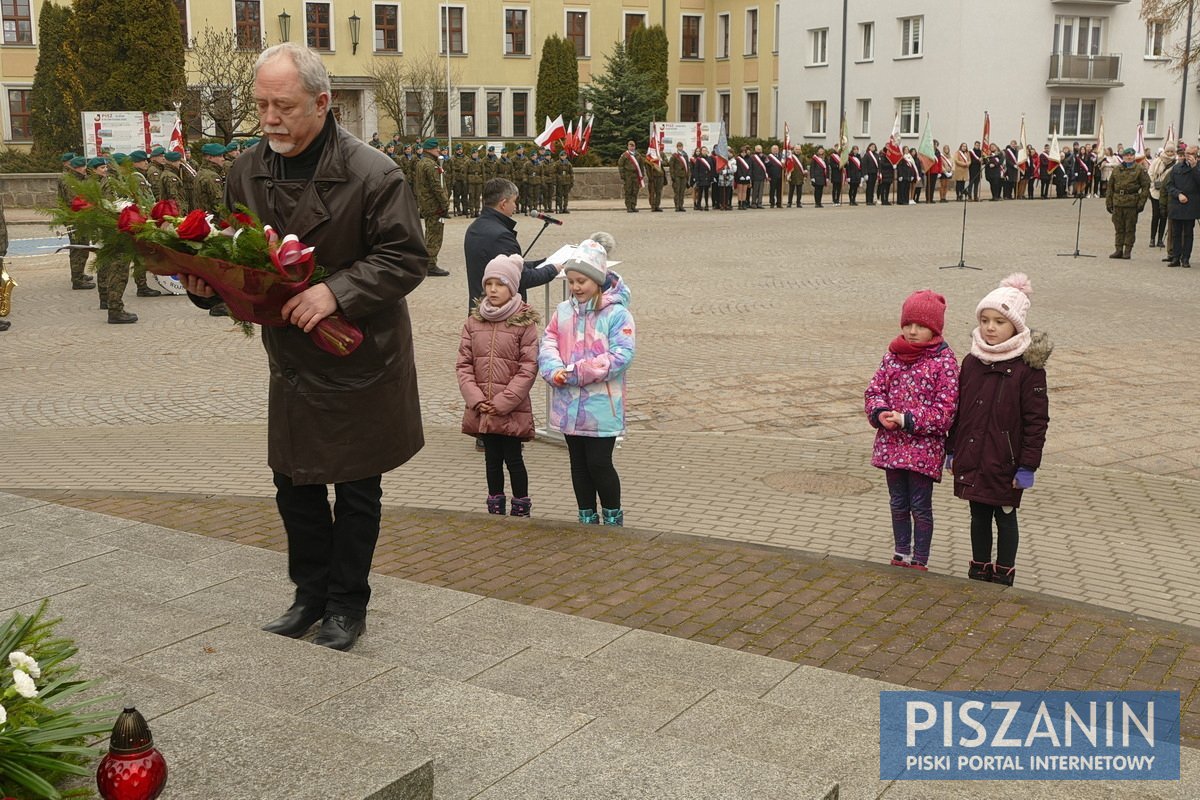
544 217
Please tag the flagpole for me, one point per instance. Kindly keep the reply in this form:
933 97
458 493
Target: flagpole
1187 58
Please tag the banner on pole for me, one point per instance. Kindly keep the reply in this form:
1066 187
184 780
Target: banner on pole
125 131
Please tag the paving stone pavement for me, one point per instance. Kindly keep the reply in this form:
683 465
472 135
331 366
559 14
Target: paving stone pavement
756 339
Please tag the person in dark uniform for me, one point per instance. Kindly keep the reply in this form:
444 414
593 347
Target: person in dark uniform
993 170
906 176
975 172
564 179
1045 171
633 175
758 175
681 172
854 174
775 177
702 178
818 175
887 172
836 176
870 168
1011 173
741 178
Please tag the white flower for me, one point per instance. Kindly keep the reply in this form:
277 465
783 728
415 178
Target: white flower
19 660
3 715
24 684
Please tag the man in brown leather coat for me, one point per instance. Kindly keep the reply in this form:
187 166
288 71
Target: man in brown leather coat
343 420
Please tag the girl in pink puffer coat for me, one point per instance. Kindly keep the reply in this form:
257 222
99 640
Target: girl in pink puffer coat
497 365
911 401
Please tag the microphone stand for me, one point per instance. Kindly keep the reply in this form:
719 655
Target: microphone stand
546 433
962 245
1078 224
545 224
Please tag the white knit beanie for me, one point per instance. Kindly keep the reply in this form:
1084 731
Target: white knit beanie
1011 299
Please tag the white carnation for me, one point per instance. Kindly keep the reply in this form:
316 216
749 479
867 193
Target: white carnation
19 660
24 684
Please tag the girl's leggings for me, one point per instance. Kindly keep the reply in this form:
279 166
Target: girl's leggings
911 498
500 451
592 471
1007 536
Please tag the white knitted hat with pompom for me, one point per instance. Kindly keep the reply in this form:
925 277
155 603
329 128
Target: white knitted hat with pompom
1011 300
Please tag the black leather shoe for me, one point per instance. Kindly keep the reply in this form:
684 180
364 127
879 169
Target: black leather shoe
339 632
437 272
121 318
296 621
146 291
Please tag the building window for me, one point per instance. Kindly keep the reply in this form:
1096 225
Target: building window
775 39
387 29
181 7
632 23
414 115
752 31
454 30
248 20
690 36
466 113
722 36
724 104
864 117
1078 35
441 115
1150 116
1072 116
752 114
819 52
316 21
520 113
910 115
910 36
816 118
18 114
689 107
493 113
18 25
577 32
1154 38
867 34
516 28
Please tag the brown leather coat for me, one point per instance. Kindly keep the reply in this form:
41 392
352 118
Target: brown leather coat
333 419
497 362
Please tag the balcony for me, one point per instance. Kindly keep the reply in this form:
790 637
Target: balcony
1096 71
1092 2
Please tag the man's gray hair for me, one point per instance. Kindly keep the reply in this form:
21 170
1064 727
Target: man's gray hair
496 190
313 75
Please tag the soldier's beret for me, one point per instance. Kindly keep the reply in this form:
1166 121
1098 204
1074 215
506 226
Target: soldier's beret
1128 151
173 156
120 158
97 161
232 147
78 161
138 155
213 149
66 156
429 144
491 149
458 147
158 151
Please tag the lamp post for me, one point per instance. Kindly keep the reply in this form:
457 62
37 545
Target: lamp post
285 26
1187 58
354 23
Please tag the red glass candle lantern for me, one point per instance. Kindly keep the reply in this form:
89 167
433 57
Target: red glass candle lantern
133 768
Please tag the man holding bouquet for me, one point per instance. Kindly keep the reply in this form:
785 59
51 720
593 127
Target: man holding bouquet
341 420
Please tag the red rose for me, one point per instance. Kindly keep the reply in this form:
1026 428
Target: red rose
241 220
194 226
130 219
164 208
79 204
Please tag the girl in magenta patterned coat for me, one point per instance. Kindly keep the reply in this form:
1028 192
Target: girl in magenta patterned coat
911 401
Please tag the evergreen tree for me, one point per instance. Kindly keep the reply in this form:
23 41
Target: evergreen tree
131 53
57 95
649 52
558 81
624 104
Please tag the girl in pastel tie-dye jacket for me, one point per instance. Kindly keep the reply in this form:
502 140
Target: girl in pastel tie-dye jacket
587 346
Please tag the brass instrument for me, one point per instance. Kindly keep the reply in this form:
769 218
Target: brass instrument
7 284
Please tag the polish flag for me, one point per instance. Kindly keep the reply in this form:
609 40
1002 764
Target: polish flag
176 142
789 162
555 130
892 150
586 138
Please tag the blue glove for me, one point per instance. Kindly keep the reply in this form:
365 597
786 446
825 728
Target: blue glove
1024 478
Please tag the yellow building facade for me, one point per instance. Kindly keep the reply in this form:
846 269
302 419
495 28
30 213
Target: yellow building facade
723 61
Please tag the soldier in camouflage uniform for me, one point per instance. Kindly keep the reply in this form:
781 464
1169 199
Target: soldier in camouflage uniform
432 201
75 166
208 193
632 170
564 179
681 172
171 182
504 167
5 324
533 181
1128 189
458 180
145 198
490 165
154 171
547 179
476 175
520 176
112 274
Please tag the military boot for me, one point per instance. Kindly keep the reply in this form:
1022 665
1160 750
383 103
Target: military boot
146 291
83 282
121 318
1128 252
1118 253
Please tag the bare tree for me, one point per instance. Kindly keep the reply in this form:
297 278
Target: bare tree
1173 16
222 76
416 82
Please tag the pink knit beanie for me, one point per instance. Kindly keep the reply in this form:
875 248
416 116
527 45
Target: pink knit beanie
507 270
927 308
1011 300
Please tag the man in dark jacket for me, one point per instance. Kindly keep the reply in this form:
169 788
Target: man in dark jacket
493 234
334 419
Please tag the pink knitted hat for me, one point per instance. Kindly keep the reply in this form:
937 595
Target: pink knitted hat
507 270
927 308
1011 300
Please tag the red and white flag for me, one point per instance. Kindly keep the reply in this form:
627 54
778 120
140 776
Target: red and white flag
652 150
177 144
892 150
987 133
555 130
1055 154
1139 142
1023 156
788 161
586 138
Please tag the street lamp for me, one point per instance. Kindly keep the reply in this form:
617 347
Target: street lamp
285 26
354 23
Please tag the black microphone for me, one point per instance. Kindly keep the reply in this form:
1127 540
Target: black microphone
544 217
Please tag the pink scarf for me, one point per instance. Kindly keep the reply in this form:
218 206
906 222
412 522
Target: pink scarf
500 313
909 353
991 353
